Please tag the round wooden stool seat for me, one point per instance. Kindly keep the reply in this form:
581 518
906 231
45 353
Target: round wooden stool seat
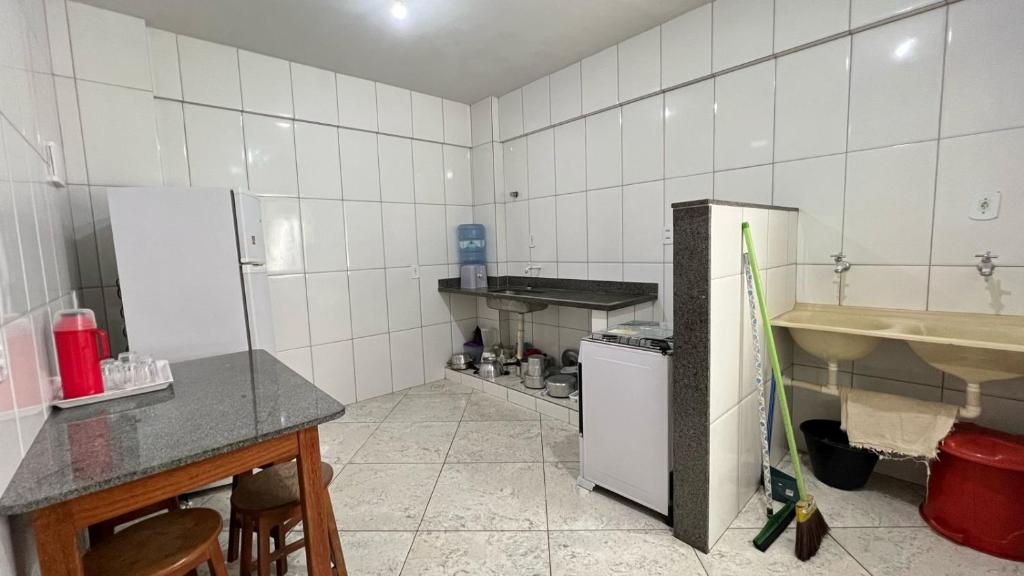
164 545
274 487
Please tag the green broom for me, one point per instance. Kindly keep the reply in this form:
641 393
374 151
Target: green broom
811 527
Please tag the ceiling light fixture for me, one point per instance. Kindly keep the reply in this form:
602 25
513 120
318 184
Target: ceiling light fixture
399 11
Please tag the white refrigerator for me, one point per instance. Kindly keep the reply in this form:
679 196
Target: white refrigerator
191 267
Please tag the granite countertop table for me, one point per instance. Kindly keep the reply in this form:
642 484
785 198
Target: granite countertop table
215 405
590 294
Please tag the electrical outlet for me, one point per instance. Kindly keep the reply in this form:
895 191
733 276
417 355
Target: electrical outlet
667 236
985 206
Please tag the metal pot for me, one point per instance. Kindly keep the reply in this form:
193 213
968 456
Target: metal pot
561 385
536 365
533 382
459 361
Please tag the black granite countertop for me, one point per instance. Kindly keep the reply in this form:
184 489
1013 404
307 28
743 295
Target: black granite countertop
215 405
591 294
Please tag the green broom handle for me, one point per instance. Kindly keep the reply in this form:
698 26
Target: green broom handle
776 371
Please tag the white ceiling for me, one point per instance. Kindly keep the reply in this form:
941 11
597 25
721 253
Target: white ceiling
463 50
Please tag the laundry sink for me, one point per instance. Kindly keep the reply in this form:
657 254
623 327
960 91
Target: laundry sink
975 347
832 336
972 352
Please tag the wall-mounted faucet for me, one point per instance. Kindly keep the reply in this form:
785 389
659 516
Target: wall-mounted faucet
526 271
841 265
986 266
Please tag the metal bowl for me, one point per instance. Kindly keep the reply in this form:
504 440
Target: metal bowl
459 361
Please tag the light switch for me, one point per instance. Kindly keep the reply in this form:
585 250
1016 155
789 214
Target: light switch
985 206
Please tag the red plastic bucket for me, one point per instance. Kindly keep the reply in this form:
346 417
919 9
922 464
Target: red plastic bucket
976 491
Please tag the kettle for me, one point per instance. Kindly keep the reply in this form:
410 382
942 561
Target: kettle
80 347
490 366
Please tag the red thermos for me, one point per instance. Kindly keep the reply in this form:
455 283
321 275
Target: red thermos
80 347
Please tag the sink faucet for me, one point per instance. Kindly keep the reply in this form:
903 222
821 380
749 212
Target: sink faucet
526 271
841 265
986 266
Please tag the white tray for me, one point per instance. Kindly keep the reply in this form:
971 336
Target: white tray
111 395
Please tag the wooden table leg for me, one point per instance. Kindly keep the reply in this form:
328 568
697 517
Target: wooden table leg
312 493
57 542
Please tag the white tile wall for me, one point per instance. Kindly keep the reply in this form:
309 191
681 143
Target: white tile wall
536 104
800 21
163 59
640 65
394 110
266 84
315 94
427 117
742 31
896 82
209 73
599 80
744 117
109 47
686 47
566 96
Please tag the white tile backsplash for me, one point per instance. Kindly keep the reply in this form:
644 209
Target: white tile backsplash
403 298
889 196
969 167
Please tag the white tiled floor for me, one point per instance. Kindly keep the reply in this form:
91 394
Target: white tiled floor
424 488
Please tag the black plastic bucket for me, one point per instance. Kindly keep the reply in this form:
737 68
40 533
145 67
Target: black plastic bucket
833 460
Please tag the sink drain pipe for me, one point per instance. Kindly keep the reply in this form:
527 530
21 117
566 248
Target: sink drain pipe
970 410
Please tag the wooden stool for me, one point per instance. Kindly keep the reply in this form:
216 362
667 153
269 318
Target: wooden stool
171 544
104 530
268 503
